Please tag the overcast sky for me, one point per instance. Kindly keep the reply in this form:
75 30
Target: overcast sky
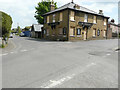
23 11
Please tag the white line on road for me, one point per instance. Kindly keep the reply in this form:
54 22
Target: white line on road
11 52
4 54
53 83
92 64
108 54
24 50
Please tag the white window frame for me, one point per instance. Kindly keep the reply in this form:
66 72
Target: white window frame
105 22
78 29
53 17
61 16
85 18
104 33
94 33
72 16
95 19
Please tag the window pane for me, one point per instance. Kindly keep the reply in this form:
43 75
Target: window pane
78 31
61 16
64 31
85 18
72 16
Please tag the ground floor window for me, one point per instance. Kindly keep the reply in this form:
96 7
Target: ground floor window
104 33
78 31
64 31
94 32
72 31
98 32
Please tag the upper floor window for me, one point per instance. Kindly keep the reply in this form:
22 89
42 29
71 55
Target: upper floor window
94 19
78 31
47 19
85 18
53 17
72 16
61 16
105 22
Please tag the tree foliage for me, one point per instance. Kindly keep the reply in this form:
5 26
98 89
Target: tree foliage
6 25
42 8
18 30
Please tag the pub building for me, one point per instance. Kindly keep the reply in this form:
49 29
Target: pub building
72 22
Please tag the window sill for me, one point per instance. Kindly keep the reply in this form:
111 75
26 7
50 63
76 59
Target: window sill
79 35
72 20
72 36
95 23
94 36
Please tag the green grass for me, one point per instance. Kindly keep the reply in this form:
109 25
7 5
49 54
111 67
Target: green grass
2 46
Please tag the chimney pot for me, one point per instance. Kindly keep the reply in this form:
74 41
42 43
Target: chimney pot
101 12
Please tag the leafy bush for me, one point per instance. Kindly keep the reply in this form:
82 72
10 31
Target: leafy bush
5 26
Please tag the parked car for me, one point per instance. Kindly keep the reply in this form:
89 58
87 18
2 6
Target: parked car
11 35
22 34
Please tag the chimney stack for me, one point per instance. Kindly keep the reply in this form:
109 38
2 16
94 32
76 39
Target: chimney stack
52 6
101 12
113 21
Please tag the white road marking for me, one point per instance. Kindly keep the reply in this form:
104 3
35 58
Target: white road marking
24 50
53 83
108 54
4 54
92 64
11 52
116 51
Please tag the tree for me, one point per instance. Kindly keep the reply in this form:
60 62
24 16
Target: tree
27 28
42 8
6 24
18 30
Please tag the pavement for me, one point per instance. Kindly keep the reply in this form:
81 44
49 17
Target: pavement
32 63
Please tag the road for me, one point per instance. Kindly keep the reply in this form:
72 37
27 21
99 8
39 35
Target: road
31 63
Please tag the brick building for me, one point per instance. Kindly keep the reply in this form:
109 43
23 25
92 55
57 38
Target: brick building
73 22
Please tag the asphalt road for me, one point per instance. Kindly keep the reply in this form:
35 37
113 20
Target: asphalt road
31 63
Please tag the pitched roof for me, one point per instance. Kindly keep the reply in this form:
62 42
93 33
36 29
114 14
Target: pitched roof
71 5
111 23
37 27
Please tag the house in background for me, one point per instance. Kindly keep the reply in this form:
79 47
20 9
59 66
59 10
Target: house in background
74 22
27 31
36 31
113 29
